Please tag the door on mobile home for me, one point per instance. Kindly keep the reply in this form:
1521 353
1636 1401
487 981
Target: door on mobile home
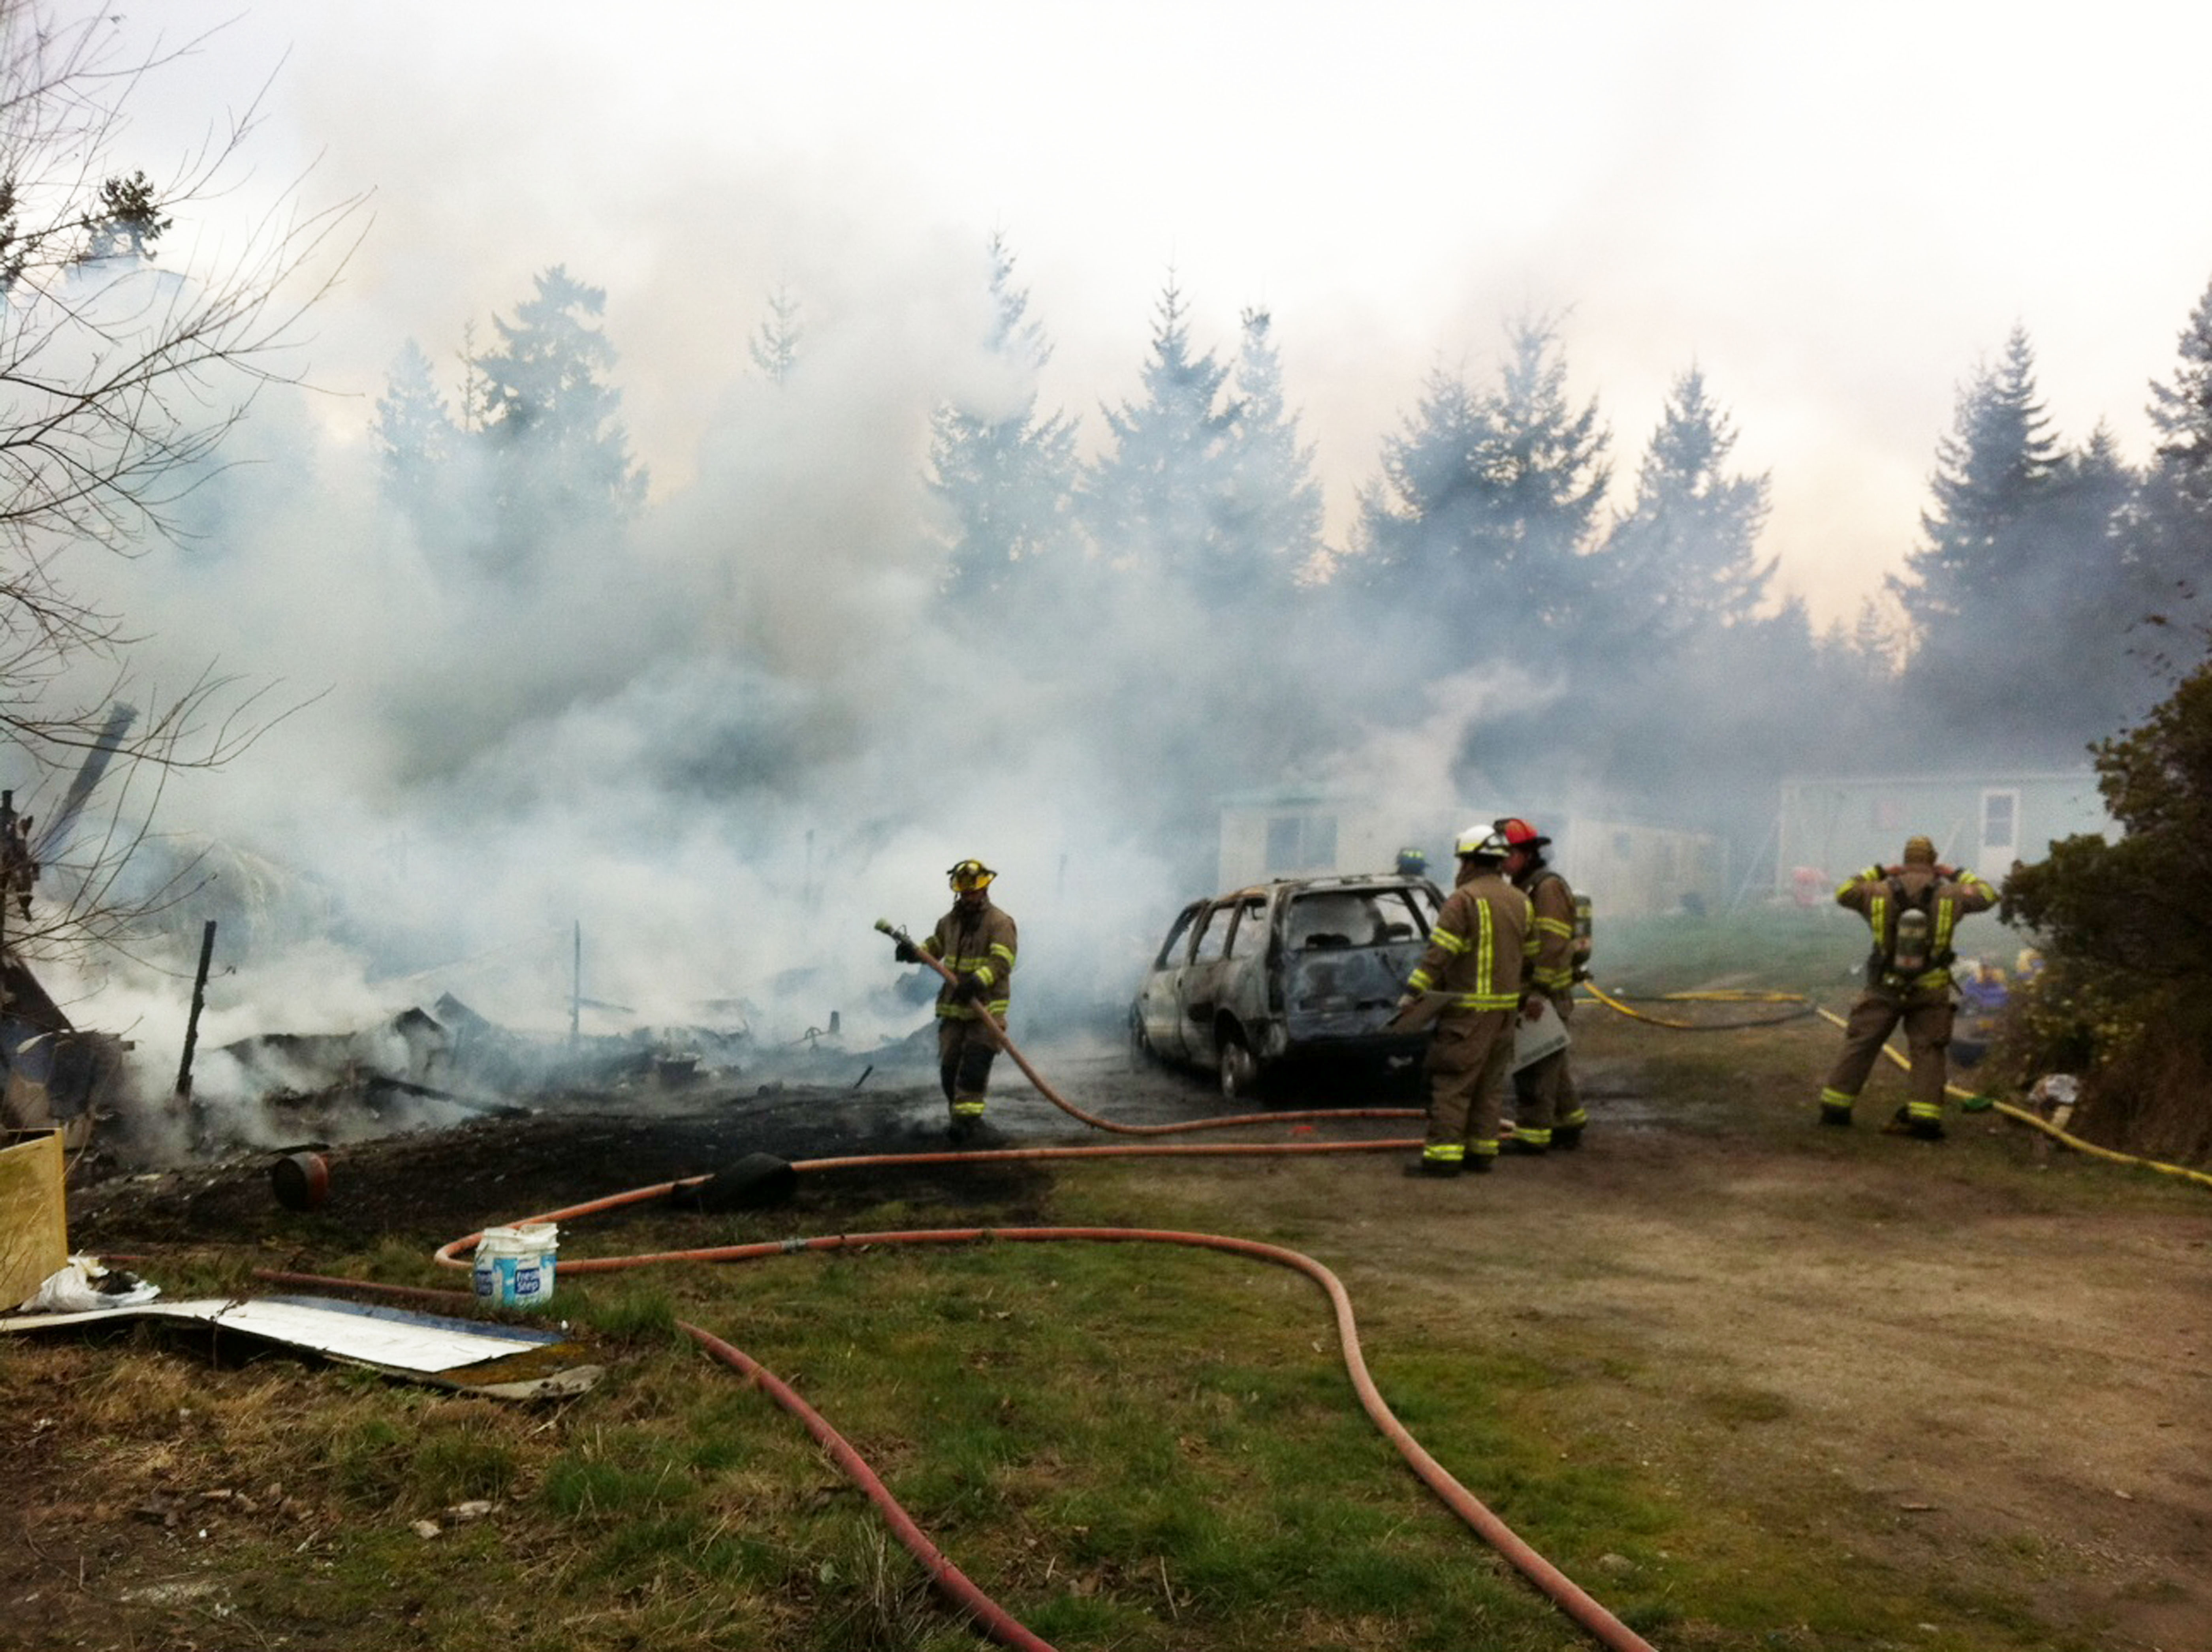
2000 833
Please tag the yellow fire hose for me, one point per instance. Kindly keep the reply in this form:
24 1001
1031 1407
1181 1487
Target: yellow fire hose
1974 1101
1978 1103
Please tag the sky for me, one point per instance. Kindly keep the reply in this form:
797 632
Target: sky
1837 218
722 755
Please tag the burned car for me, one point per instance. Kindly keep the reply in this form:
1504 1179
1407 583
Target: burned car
1299 973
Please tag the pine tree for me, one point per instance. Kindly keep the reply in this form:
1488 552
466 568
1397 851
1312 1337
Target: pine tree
1875 646
1545 470
558 455
774 346
1004 478
2019 567
1993 469
129 219
414 437
2170 541
1421 524
1486 505
1685 560
1154 500
1271 518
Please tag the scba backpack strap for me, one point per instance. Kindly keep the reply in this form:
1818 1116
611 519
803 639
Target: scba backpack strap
1904 947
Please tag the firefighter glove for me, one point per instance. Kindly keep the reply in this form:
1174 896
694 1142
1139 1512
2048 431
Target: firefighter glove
907 952
970 989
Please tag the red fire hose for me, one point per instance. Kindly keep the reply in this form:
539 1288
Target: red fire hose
1608 1630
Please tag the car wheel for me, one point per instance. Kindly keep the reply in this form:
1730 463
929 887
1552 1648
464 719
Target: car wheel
1240 1070
1142 1052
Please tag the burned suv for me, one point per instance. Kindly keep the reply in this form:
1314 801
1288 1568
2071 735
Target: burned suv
1302 972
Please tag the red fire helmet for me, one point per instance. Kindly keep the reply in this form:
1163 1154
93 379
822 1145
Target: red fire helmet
1520 835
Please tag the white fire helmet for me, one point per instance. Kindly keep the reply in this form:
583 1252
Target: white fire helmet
1482 841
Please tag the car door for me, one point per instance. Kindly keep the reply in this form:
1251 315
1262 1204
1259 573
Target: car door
1229 934
1159 999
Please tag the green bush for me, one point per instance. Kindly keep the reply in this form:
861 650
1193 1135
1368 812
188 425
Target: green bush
2128 928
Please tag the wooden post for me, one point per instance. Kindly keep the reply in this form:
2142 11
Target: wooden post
193 1026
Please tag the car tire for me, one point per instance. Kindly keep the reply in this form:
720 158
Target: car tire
1240 1070
1142 1052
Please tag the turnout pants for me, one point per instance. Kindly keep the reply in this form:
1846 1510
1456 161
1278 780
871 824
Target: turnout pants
965 1050
1927 1019
1544 1095
1467 1053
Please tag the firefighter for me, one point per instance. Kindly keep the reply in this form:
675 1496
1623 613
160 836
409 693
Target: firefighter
1547 1112
1478 949
1913 909
1412 863
975 941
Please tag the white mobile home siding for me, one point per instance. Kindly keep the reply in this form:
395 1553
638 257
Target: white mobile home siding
1833 827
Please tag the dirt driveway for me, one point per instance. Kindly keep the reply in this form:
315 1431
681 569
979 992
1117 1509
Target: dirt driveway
1977 1357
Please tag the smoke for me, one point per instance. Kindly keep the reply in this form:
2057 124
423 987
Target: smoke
721 740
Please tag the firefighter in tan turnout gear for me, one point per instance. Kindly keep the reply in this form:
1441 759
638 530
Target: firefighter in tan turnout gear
1914 910
976 942
1478 949
1547 1112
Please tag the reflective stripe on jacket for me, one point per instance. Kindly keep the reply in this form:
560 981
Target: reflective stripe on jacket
1870 894
981 942
1483 941
1553 902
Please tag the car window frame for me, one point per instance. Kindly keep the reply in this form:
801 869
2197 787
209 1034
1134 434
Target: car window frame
1250 916
1232 906
1179 930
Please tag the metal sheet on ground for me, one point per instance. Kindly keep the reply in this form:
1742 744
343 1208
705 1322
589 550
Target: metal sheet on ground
395 1340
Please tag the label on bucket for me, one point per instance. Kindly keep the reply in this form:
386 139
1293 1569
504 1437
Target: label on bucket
513 1266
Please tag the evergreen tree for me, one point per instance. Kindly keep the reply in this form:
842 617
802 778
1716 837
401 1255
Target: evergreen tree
2170 540
1876 647
128 220
414 437
558 456
774 346
1993 469
1487 504
1421 524
1004 478
1545 470
1155 498
1685 560
1271 514
2018 569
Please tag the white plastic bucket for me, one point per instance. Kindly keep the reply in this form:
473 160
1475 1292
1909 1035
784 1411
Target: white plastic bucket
515 1266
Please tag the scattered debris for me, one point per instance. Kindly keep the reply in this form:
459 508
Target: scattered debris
503 1360
84 1284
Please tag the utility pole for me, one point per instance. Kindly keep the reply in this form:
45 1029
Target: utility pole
576 992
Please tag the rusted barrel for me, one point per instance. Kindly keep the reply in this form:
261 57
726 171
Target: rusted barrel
302 1180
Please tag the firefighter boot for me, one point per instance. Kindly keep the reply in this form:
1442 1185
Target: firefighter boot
1836 1108
1442 1170
1567 1137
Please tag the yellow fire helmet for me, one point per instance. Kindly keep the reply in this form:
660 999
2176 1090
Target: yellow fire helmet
968 875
